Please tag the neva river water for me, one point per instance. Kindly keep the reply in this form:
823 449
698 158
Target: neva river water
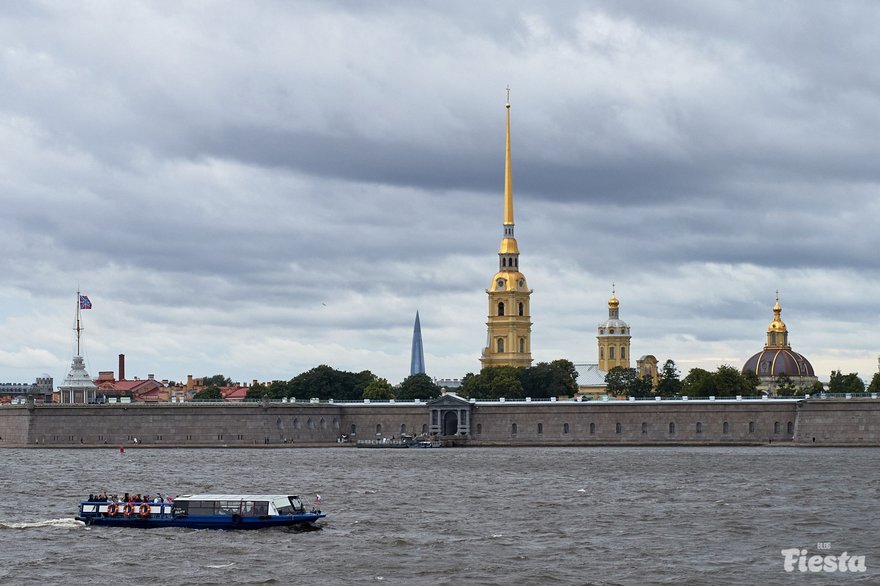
659 515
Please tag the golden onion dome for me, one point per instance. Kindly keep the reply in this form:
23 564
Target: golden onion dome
613 303
777 325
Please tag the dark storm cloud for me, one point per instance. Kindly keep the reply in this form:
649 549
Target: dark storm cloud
245 165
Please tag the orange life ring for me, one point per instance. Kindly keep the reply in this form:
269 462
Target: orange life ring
112 509
128 509
144 510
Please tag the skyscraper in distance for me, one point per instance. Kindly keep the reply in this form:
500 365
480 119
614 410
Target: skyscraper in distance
417 359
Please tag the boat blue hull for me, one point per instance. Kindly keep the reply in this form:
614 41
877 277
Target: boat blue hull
167 519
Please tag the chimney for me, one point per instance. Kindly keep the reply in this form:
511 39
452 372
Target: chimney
122 367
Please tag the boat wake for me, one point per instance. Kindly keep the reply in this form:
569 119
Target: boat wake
220 566
63 523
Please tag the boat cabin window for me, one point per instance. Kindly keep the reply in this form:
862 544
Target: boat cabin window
207 508
288 505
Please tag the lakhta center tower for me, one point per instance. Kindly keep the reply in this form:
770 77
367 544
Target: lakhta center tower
508 341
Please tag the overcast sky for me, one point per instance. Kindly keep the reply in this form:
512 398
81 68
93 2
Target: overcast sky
257 188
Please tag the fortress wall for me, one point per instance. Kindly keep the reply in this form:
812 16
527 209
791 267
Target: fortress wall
830 422
182 424
14 422
839 422
639 422
386 419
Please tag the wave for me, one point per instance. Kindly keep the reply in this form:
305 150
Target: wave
220 566
67 523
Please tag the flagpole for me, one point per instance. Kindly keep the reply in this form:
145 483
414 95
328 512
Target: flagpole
78 329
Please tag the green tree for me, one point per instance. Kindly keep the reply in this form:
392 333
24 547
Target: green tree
324 382
815 389
619 380
845 383
784 385
564 378
494 382
874 387
641 386
698 383
218 380
557 378
751 382
417 386
474 386
257 391
379 390
669 383
729 382
211 393
506 384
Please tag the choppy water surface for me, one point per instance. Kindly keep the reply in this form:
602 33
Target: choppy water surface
454 516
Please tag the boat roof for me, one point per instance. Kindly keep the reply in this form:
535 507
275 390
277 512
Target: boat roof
231 497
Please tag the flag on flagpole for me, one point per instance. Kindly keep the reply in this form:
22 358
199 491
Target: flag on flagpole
84 302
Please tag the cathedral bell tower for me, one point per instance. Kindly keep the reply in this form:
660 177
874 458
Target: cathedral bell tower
509 336
614 338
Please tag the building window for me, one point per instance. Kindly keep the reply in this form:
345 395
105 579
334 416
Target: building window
592 429
611 353
726 427
775 427
378 429
425 428
601 352
565 428
521 312
644 427
513 429
699 427
671 427
353 429
522 345
618 428
790 427
402 428
540 428
500 344
501 309
751 427
622 352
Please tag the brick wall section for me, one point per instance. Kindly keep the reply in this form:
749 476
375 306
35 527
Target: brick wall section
621 422
853 422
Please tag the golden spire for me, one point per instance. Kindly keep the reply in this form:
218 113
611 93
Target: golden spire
777 325
508 175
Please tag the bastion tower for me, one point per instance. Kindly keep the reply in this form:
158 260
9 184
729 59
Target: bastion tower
508 342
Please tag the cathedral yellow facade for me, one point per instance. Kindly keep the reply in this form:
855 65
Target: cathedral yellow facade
509 337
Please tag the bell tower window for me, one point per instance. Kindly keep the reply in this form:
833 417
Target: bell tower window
520 309
501 309
500 344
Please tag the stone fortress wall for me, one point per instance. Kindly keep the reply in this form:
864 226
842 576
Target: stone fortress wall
819 422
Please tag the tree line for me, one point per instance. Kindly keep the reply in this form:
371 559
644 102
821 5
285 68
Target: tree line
324 382
726 381
544 380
